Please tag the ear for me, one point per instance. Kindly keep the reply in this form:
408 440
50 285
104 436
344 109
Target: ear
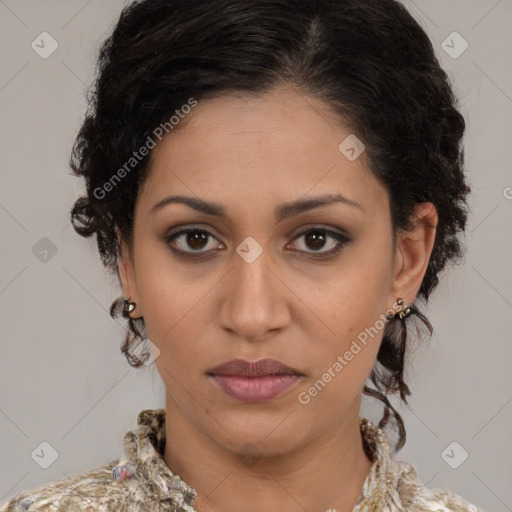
413 250
127 272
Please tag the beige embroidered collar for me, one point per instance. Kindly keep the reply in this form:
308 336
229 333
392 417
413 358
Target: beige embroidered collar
144 448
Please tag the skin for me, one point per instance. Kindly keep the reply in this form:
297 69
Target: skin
251 154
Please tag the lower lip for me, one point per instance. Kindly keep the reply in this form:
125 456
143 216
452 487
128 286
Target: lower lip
255 389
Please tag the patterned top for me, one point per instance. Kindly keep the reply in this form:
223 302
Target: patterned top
140 481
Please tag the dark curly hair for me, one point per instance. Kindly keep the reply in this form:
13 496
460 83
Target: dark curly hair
370 61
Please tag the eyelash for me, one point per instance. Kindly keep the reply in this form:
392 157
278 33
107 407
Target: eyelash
339 237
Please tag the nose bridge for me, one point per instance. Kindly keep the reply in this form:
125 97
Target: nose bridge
253 303
252 269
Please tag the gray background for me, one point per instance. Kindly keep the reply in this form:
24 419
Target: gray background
62 376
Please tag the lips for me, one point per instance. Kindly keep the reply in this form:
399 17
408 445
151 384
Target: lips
257 381
261 368
255 389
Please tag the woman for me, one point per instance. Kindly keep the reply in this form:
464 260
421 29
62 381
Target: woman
278 185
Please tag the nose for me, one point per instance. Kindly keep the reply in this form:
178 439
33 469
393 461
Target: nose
255 299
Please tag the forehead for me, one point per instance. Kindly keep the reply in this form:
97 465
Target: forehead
276 147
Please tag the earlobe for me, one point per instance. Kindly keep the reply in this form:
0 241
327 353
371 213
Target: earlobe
413 251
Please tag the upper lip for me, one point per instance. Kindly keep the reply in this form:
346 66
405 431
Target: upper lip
259 368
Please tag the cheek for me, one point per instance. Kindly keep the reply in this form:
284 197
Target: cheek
341 363
359 293
353 307
177 311
159 283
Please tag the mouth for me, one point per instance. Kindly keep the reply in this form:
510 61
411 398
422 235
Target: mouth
261 368
257 381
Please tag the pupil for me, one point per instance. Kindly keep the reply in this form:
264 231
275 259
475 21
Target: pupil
316 237
197 239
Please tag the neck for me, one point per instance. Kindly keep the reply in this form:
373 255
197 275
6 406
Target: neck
326 473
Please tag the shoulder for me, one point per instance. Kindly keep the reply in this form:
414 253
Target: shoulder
414 496
90 491
441 500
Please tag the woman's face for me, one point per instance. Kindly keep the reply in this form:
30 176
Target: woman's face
249 284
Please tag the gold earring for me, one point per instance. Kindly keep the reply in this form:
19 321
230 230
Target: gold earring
405 308
128 306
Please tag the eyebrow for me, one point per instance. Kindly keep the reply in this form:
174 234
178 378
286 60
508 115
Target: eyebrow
283 211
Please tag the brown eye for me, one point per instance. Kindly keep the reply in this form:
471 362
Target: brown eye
315 239
194 239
